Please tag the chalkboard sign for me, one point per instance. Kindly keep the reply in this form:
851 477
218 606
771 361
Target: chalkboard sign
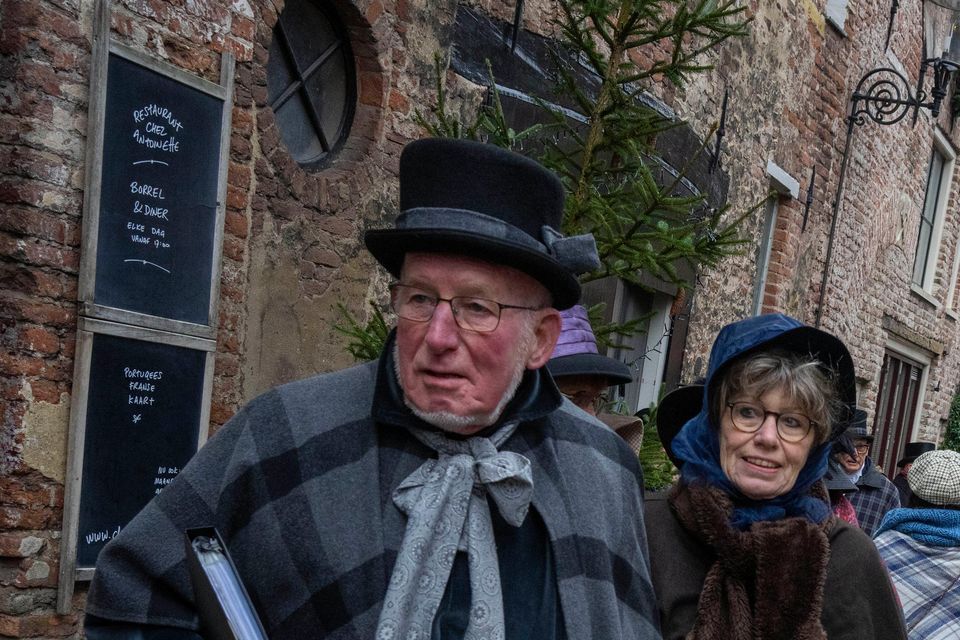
142 425
158 208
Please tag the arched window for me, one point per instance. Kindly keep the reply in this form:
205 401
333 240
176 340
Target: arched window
311 85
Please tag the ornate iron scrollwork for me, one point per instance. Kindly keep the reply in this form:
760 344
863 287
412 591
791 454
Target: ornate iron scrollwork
882 95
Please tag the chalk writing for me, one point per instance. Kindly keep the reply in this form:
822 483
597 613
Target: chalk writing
141 387
139 115
146 190
147 262
146 375
165 476
171 145
102 536
150 212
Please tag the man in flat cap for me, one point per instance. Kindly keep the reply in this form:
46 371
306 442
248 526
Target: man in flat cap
444 490
921 547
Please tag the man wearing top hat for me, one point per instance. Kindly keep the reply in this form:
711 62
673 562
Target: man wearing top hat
444 490
875 494
911 452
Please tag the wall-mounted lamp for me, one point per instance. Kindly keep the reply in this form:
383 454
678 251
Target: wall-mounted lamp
883 95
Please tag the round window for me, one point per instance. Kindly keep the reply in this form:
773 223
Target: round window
311 85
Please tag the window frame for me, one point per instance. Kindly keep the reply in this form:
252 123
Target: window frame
835 12
888 445
764 251
943 148
299 86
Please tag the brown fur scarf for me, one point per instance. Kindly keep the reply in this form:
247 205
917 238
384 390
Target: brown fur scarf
767 582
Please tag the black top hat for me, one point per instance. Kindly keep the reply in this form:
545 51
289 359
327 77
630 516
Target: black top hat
475 199
675 410
576 351
914 450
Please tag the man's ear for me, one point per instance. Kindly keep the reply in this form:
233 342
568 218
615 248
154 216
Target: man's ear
546 333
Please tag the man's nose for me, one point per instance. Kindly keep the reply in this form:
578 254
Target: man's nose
442 330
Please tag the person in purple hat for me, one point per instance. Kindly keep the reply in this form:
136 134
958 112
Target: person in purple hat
583 375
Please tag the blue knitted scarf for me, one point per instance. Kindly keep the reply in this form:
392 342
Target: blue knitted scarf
933 527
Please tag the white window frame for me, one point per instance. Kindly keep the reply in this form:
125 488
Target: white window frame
943 147
787 187
836 13
952 286
763 254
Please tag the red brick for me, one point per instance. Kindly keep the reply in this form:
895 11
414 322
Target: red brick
242 27
239 176
236 224
338 227
371 88
39 625
45 391
39 339
322 256
220 413
39 312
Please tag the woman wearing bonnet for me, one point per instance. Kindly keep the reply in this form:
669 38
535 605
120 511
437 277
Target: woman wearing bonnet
746 545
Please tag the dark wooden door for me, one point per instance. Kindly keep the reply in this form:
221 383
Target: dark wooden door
896 409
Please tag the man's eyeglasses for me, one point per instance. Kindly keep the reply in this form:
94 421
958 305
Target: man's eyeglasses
748 417
585 399
861 448
471 313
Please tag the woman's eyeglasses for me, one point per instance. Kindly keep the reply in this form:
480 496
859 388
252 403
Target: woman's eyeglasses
749 417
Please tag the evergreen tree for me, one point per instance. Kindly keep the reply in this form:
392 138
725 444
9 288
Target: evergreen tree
605 161
951 439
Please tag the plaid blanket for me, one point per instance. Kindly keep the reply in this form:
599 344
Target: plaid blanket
299 484
927 578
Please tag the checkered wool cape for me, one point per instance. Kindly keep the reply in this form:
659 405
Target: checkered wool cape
874 497
299 484
926 575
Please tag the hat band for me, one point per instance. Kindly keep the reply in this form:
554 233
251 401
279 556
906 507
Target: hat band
578 254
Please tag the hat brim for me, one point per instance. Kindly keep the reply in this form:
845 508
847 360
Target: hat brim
676 409
590 364
389 246
907 460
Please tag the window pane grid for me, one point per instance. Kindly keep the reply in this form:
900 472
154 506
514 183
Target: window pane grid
311 86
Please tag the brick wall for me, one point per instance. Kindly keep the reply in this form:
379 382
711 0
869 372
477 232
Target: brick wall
43 48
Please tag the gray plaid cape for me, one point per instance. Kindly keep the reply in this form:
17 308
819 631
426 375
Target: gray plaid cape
874 497
299 483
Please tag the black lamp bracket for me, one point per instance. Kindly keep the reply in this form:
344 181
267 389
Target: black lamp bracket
883 94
